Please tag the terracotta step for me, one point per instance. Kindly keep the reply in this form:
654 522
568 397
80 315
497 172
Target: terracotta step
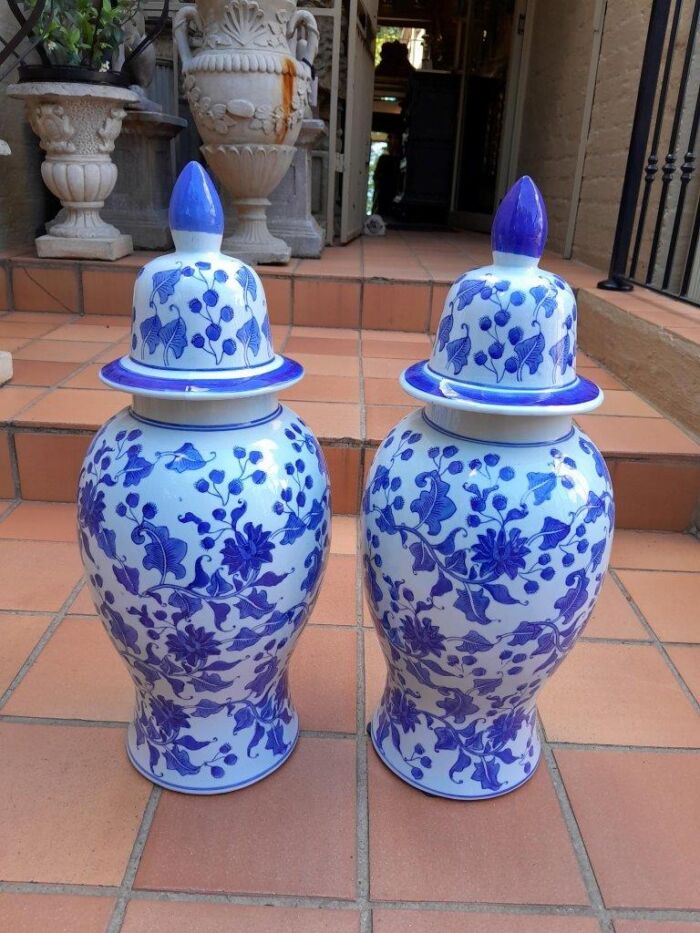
350 397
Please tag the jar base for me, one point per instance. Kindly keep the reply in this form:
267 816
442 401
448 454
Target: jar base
204 785
468 789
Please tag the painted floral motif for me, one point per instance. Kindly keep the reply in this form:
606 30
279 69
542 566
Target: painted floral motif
205 602
482 565
506 338
192 307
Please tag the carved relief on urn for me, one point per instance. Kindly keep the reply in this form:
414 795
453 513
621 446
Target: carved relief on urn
248 82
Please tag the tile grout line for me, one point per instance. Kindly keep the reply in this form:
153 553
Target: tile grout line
41 644
362 788
657 643
585 867
126 887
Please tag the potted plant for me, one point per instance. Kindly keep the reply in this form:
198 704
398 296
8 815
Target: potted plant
75 104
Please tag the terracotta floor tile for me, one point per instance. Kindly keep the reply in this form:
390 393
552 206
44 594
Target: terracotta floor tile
336 601
431 921
612 694
83 604
278 291
383 368
315 388
382 418
627 404
41 521
18 636
670 602
396 306
40 317
292 833
601 377
79 408
410 351
62 351
65 453
386 392
39 372
655 926
345 470
456 851
302 330
317 363
14 398
37 575
38 287
639 505
687 661
375 671
647 436
613 616
87 378
70 803
331 346
323 677
344 534
638 814
78 675
107 291
7 480
335 303
92 333
57 913
13 344
188 917
335 421
26 328
647 550
113 352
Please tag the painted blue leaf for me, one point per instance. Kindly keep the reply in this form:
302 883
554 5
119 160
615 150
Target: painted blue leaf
463 761
271 579
576 597
128 577
597 551
208 682
253 605
246 279
538 293
524 633
468 290
316 515
255 741
150 332
434 506
275 741
206 708
123 632
553 532
529 353
187 741
293 529
244 718
249 334
186 604
486 773
422 558
163 553
446 739
444 331
542 484
136 469
264 674
549 306
473 603
442 586
107 542
458 353
500 593
595 507
186 457
474 642
164 283
559 353
448 545
218 585
179 761
506 756
173 336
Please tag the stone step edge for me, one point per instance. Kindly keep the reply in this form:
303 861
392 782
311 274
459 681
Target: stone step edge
655 493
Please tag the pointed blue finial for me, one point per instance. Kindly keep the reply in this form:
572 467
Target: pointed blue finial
195 206
520 224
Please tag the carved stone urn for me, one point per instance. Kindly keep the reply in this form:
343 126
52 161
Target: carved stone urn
248 83
77 125
488 519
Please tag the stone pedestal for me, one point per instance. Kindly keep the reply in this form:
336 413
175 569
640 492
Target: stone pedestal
289 215
139 203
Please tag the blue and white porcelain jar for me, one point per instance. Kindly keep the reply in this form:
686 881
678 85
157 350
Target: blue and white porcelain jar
487 523
204 515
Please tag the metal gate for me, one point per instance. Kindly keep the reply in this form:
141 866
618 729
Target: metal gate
362 27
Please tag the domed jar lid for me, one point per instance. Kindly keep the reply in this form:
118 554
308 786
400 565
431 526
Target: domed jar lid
506 343
200 327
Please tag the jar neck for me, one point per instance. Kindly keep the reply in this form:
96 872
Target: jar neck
502 429
201 414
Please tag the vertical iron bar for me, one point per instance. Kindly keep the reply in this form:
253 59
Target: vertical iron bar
651 65
688 166
692 250
669 168
653 160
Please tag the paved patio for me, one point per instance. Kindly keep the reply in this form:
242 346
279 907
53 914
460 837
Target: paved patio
605 836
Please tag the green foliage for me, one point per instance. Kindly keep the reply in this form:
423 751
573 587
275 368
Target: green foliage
83 32
385 34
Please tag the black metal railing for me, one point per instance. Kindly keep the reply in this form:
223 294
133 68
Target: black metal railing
657 238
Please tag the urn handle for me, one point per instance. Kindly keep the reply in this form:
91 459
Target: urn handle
302 35
180 25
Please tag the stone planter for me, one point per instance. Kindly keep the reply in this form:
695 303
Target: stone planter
248 90
487 524
77 125
204 515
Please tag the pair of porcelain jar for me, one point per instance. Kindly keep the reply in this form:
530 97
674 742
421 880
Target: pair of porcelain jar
204 516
